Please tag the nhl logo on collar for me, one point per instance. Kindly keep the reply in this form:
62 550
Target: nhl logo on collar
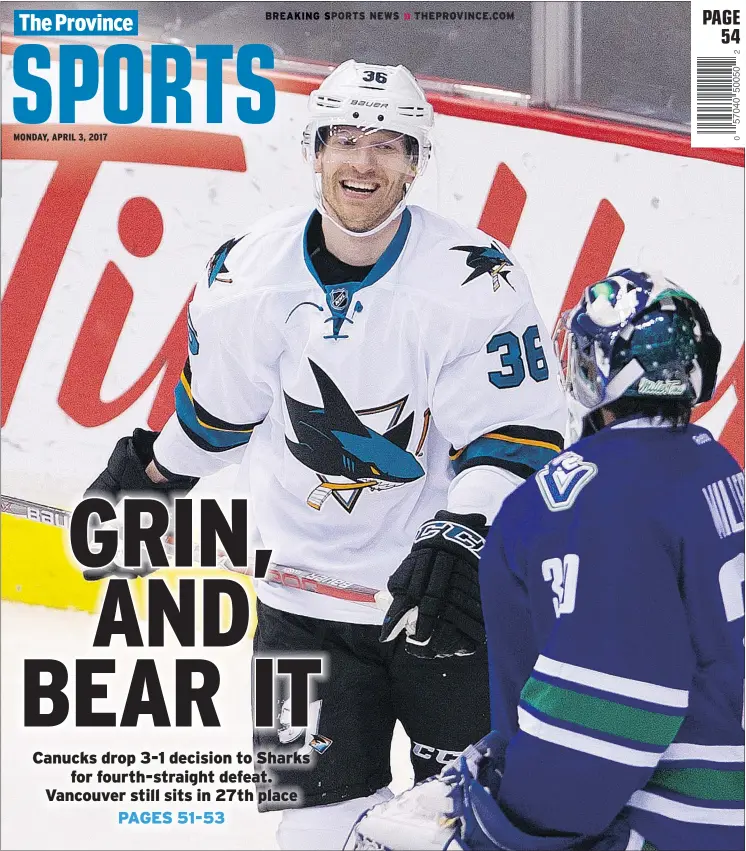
339 298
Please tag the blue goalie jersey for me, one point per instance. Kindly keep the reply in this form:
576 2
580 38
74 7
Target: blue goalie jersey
612 588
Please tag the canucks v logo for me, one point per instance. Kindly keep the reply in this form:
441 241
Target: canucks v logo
347 455
490 260
562 479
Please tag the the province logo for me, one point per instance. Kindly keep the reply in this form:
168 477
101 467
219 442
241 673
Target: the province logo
129 85
663 387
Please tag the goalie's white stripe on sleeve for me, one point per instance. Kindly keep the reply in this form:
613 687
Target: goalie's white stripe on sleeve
586 744
707 753
685 812
637 689
636 841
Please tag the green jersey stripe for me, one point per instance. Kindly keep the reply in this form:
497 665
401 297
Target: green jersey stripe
606 716
643 800
637 689
708 784
533 726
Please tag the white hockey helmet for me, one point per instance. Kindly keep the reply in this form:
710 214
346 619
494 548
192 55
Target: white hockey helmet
370 97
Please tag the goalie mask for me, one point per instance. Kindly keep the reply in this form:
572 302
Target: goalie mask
371 124
636 336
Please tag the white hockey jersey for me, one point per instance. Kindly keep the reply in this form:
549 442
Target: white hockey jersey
351 407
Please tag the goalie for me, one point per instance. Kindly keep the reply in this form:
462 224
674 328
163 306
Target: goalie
612 589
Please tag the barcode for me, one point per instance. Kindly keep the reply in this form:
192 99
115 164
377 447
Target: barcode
715 94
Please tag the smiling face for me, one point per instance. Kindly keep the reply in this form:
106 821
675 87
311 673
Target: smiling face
363 174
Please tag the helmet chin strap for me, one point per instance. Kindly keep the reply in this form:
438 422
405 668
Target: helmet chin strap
321 207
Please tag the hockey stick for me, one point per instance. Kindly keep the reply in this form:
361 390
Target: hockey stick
34 511
290 577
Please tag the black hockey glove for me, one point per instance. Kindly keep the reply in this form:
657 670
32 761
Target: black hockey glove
435 590
125 474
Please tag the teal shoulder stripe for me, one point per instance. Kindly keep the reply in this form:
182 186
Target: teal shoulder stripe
705 783
207 438
505 451
606 716
531 433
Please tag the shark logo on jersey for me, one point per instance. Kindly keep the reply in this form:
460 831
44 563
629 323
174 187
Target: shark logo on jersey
216 268
347 455
490 260
561 481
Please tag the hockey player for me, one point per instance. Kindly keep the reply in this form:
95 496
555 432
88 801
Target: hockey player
612 587
339 355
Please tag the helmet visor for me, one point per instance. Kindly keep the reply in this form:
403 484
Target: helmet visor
580 374
367 148
561 342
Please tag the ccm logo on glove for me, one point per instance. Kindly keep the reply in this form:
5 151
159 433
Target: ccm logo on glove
458 534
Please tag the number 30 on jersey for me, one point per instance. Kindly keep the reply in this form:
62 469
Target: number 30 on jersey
563 574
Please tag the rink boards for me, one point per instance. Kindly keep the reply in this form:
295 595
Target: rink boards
111 234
